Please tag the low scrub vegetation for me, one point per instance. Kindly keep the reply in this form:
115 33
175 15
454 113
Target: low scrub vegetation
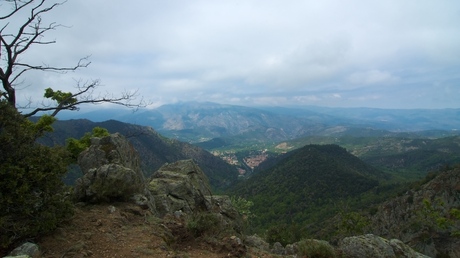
316 249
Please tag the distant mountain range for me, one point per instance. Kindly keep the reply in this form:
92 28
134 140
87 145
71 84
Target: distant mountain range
200 122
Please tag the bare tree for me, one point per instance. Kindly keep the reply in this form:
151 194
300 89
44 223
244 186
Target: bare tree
14 45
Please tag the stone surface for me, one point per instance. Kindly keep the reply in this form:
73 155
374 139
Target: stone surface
26 250
113 149
257 242
182 186
374 246
278 249
111 171
223 207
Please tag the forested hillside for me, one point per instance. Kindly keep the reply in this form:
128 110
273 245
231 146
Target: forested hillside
303 188
407 156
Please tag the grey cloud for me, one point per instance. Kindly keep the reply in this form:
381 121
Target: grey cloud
354 53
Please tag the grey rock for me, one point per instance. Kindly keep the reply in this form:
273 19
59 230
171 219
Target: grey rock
26 250
181 185
109 182
278 249
111 209
111 171
257 242
374 246
223 207
113 149
403 250
291 249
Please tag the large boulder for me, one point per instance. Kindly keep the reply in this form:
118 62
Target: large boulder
374 246
111 171
27 249
180 186
113 149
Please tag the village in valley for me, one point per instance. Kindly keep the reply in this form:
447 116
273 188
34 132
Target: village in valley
245 163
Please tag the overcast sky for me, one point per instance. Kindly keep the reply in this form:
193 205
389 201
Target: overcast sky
383 54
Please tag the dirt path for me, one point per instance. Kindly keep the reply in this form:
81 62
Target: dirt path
118 230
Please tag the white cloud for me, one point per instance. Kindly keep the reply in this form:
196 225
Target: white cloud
229 50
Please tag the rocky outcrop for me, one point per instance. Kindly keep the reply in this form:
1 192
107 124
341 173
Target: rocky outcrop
257 242
111 171
180 186
374 246
414 217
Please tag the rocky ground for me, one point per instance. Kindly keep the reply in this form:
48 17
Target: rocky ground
126 230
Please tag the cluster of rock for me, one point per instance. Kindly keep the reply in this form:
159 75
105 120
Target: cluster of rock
111 172
356 246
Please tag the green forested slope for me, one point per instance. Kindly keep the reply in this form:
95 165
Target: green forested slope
306 186
408 156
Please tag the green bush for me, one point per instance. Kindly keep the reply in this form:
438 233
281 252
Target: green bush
243 206
284 234
201 224
316 249
32 195
75 147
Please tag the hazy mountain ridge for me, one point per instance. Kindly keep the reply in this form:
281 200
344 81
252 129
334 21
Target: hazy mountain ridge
201 121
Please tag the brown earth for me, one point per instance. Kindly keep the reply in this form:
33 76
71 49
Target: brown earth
126 230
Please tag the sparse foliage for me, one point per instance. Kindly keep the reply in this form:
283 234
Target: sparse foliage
75 147
243 206
433 217
353 223
283 233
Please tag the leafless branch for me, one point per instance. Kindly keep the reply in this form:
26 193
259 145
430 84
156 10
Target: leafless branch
82 63
18 5
14 43
85 95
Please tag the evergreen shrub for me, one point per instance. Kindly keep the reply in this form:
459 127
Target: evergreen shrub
33 198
